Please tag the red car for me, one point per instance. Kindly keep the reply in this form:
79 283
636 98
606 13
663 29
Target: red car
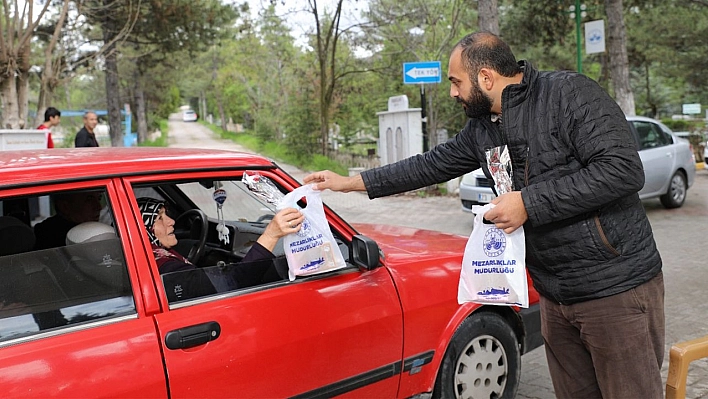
85 312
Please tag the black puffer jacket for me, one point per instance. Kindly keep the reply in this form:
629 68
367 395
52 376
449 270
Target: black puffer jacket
579 172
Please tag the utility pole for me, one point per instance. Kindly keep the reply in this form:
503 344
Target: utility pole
578 12
424 118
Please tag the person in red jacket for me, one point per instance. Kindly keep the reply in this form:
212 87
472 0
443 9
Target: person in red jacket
52 117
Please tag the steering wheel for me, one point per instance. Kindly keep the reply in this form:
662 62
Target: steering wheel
184 228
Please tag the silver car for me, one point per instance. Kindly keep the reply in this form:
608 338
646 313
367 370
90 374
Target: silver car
669 167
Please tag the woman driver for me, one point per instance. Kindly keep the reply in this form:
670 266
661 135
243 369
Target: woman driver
160 229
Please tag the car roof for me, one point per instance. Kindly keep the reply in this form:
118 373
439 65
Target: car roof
640 118
58 164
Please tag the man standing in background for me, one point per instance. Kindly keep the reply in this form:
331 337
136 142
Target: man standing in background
86 136
52 118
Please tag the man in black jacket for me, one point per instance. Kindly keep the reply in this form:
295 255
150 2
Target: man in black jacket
86 137
590 249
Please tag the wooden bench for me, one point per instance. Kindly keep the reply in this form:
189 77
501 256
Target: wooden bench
680 357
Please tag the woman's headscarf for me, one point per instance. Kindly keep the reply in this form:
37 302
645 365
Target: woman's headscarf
150 208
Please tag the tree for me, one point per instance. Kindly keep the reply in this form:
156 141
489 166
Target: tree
543 31
488 16
619 64
325 41
152 28
164 29
17 26
49 79
419 30
116 19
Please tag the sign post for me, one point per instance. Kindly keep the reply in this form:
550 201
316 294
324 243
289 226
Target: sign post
422 73
595 36
691 109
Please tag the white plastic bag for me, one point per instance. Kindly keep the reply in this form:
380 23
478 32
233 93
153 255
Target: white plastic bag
494 265
312 250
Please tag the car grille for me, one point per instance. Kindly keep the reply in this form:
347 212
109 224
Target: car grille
484 182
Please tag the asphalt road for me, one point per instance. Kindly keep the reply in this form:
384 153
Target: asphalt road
679 234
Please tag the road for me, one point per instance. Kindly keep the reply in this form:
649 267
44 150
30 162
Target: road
679 234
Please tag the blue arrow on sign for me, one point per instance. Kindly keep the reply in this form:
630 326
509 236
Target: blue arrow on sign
422 72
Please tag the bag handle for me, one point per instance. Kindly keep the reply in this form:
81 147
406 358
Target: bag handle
314 201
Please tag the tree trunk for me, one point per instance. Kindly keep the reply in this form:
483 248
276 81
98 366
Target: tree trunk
432 122
324 114
112 85
8 92
488 16
222 114
49 76
202 105
113 99
140 113
23 100
619 64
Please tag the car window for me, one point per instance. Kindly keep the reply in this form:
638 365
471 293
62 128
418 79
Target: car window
60 266
651 135
221 266
240 204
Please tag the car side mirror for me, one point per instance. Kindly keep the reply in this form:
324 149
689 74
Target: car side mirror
365 252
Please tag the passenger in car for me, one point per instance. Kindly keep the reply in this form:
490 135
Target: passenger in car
72 209
160 229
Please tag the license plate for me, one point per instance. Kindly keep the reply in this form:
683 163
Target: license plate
485 197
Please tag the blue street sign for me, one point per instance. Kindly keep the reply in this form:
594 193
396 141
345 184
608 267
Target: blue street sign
422 72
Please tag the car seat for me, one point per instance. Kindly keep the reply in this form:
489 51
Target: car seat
95 257
89 232
25 278
15 236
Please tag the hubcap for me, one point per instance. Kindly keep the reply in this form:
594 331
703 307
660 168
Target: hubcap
482 369
678 189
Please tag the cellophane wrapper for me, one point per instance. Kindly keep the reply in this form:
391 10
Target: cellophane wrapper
499 163
262 187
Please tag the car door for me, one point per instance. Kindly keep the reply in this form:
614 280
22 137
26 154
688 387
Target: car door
657 156
72 319
315 336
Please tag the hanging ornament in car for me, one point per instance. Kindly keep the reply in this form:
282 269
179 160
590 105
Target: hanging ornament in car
220 197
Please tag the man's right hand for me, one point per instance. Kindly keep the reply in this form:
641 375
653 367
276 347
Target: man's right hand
330 180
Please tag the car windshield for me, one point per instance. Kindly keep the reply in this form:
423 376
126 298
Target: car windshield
239 203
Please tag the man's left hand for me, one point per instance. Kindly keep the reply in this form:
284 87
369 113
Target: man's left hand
509 212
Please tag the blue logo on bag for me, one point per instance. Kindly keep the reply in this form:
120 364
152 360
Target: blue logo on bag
494 292
305 229
494 242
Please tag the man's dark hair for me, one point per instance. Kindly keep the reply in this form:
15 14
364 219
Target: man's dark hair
487 50
50 113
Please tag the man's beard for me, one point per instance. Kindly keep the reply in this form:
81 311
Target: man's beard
477 104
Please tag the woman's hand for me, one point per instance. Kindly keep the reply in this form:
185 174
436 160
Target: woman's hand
286 221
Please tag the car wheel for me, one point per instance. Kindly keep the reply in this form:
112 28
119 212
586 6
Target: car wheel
676 194
482 361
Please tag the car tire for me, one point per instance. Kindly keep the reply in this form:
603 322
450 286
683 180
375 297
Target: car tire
483 360
676 194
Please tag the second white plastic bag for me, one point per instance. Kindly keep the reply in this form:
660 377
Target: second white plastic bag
312 250
494 265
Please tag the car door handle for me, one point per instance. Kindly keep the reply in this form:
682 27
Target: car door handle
187 337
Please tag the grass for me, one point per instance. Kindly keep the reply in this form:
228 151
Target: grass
279 152
161 141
